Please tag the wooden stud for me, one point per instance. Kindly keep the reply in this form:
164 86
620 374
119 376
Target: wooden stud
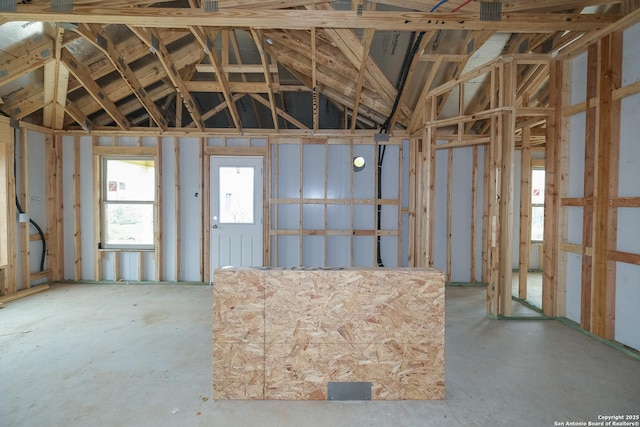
203 222
429 203
525 212
413 158
158 235
449 212
314 82
474 214
23 196
591 132
275 148
206 211
177 206
97 208
606 179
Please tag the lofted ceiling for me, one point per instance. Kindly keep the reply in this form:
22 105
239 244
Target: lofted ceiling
237 65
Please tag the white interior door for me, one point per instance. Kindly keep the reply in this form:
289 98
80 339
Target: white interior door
236 211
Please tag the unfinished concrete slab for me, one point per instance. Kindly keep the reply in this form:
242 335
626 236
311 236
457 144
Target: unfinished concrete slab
140 355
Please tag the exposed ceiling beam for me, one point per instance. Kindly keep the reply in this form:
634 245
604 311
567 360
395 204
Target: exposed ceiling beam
257 37
366 46
280 112
148 74
418 116
56 82
305 19
131 50
218 108
550 5
81 73
95 35
34 58
263 4
74 112
237 68
315 90
233 40
153 40
414 62
235 87
206 41
336 83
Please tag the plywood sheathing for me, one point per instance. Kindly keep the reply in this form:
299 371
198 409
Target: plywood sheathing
384 326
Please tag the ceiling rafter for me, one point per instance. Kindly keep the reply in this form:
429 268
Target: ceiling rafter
147 75
342 83
205 38
83 75
305 19
96 35
218 108
418 112
56 82
257 37
233 40
280 112
351 46
35 57
412 66
76 114
152 39
366 46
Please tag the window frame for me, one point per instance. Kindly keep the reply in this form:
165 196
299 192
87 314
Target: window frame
104 203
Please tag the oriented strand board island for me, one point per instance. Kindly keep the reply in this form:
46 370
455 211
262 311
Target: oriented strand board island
287 333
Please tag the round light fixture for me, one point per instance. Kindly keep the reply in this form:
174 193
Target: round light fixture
358 163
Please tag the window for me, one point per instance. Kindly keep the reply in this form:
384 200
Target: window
128 202
236 195
537 205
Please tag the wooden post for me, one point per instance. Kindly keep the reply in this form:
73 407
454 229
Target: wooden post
591 132
413 154
176 205
158 216
449 209
606 181
97 205
474 215
553 149
23 198
77 229
525 212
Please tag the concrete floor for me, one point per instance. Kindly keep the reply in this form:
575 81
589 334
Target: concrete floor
140 355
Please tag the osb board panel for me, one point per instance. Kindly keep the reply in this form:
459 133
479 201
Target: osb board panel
384 326
396 371
238 371
238 307
353 306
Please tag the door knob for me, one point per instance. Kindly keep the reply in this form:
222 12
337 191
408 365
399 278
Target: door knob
214 226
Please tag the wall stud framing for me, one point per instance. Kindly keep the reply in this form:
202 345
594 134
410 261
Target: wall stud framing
77 229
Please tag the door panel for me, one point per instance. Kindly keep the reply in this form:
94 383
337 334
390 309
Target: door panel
236 211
